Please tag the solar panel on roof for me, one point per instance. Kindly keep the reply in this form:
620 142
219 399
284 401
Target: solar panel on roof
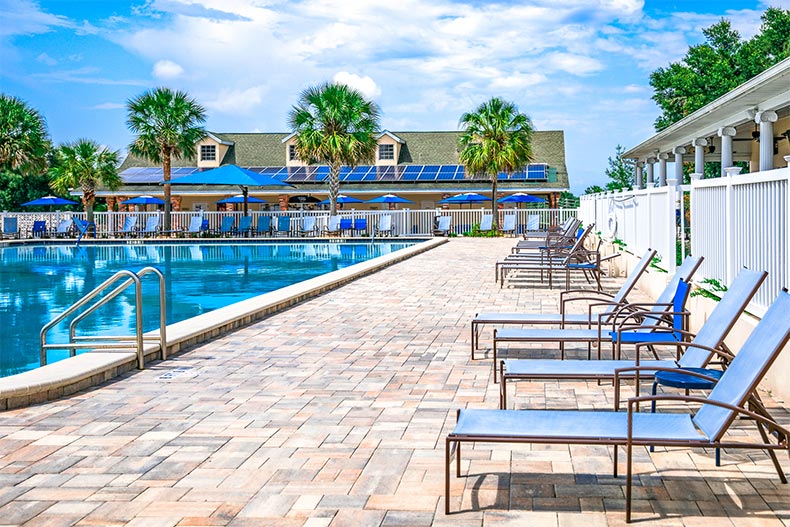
388 173
428 173
297 173
447 172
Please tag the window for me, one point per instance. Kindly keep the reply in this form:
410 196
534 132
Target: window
292 153
208 152
386 152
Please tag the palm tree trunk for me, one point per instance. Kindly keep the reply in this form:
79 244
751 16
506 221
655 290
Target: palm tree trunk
334 187
166 177
89 197
494 209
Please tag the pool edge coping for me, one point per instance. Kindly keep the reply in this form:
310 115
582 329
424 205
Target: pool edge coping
75 374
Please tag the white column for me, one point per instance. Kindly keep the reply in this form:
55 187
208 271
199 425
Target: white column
679 151
726 133
766 121
662 169
651 182
699 145
639 176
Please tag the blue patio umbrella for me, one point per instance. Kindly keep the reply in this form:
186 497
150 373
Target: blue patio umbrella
342 198
389 198
466 197
240 199
230 175
48 201
143 200
520 197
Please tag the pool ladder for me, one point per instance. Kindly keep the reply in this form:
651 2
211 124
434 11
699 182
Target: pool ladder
135 341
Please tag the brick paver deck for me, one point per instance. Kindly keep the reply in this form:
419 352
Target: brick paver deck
333 413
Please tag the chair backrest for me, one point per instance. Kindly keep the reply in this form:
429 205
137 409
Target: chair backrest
129 223
579 243
284 223
10 226
360 224
723 317
204 224
633 278
39 226
64 226
264 224
486 222
509 223
533 222
334 223
245 223
194 223
308 223
750 364
345 223
677 304
152 223
385 223
227 224
444 223
684 272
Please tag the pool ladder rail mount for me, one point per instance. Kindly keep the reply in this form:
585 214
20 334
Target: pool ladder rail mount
94 302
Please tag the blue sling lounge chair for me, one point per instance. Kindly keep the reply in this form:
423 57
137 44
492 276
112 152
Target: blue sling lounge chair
264 226
733 396
226 227
11 228
283 226
709 341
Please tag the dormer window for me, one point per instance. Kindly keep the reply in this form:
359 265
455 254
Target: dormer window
386 152
292 153
208 152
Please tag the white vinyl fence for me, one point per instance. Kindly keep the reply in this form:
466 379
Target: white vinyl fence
736 221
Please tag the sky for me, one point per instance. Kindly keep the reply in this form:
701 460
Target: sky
581 66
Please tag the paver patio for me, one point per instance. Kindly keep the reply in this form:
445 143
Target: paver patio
334 413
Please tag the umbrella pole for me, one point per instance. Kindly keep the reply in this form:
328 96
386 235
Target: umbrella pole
244 191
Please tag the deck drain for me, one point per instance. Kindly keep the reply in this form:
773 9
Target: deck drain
176 373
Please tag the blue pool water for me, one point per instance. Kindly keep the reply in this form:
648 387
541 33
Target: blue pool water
39 282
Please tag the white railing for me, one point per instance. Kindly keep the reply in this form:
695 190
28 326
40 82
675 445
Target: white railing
405 222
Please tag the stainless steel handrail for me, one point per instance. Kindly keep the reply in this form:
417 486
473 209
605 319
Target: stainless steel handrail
132 278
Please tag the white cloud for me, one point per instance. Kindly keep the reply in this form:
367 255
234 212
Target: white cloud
46 59
235 102
364 85
108 106
167 70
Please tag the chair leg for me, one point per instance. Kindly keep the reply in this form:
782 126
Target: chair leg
503 392
494 352
771 454
653 392
447 476
628 481
474 337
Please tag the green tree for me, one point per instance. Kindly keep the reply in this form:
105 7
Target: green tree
496 138
87 165
594 189
168 124
721 63
24 147
335 125
620 171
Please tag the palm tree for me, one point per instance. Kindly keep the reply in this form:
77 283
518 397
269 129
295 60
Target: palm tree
168 125
335 125
87 165
496 138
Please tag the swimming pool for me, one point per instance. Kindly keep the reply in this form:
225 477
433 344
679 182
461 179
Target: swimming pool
38 282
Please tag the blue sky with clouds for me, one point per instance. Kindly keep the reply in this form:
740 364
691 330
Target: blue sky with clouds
581 66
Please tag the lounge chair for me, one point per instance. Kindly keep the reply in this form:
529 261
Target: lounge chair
333 225
360 226
39 229
557 239
709 341
283 226
385 225
129 227
84 227
533 227
264 226
63 229
11 228
443 226
597 299
733 397
195 226
151 227
245 226
308 227
622 329
346 225
509 224
226 227
486 223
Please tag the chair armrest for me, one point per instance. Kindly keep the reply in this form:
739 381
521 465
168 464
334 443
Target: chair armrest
637 369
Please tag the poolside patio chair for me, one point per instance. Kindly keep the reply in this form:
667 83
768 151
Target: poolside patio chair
245 226
11 227
308 227
707 343
151 227
226 227
264 226
486 223
595 299
533 226
195 226
346 226
443 226
39 229
360 226
557 239
129 227
63 229
385 225
733 396
533 229
283 226
84 227
333 225
509 224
